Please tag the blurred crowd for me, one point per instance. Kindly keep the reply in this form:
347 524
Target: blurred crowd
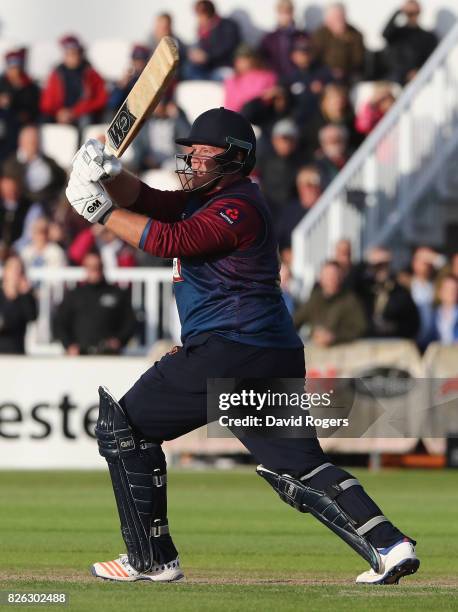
370 299
298 89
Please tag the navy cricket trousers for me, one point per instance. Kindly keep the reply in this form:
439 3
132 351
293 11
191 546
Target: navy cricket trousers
170 399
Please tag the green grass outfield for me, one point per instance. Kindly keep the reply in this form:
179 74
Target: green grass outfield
241 547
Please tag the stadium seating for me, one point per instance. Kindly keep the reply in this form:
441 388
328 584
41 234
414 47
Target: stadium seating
43 56
195 97
110 57
59 142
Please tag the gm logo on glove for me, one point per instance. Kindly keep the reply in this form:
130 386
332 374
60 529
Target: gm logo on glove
94 206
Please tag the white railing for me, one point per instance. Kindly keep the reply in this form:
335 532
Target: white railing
387 175
151 295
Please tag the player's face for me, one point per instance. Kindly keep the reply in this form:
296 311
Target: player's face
203 163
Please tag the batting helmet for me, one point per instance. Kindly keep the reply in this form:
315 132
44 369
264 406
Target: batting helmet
220 127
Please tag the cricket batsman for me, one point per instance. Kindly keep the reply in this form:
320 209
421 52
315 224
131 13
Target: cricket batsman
234 325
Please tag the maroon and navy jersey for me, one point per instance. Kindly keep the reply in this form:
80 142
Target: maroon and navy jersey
226 268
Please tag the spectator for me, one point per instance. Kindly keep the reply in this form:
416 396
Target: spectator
139 58
214 52
41 252
445 321
41 177
113 251
334 108
14 213
375 109
422 291
163 26
443 268
56 233
276 46
351 272
390 308
266 111
408 45
250 79
333 153
96 318
17 307
18 93
333 313
279 167
339 45
307 80
308 185
155 145
74 93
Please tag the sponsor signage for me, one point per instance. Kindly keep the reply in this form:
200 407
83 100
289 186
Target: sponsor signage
49 407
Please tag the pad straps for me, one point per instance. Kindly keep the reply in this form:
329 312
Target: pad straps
334 490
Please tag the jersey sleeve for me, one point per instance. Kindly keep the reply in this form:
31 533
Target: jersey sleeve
223 227
165 206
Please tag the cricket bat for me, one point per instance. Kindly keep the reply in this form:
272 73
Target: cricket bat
143 98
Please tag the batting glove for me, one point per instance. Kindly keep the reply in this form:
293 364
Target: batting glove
92 162
89 199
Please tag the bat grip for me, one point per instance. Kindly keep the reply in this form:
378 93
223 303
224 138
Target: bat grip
109 150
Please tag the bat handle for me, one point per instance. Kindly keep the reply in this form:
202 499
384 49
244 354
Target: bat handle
109 150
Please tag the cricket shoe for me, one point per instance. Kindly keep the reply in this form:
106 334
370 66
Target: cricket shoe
398 560
121 570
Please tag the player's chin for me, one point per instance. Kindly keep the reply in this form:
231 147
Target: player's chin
197 181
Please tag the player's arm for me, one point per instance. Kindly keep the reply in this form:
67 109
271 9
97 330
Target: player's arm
219 228
128 191
207 232
210 231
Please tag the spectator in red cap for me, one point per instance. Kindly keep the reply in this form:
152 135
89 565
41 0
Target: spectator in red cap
18 93
74 93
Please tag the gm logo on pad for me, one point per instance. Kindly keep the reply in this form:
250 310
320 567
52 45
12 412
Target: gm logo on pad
126 443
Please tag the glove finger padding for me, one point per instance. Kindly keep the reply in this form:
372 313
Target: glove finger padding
94 148
93 162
